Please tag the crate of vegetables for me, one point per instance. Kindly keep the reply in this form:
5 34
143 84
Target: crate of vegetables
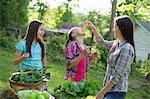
29 80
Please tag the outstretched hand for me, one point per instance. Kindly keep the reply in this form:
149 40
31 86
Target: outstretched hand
88 24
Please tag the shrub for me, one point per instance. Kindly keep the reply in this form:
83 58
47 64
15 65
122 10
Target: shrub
140 67
55 49
8 42
145 67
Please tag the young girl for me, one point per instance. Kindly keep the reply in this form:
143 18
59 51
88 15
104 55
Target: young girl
120 57
77 55
30 51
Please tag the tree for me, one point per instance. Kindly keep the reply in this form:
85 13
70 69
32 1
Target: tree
137 9
42 7
64 13
13 13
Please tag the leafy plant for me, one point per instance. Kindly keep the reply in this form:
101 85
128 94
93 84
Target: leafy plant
76 90
33 76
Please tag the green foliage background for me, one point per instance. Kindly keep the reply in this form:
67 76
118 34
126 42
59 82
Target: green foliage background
13 13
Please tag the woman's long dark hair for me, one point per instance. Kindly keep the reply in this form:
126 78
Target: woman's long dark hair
126 27
31 34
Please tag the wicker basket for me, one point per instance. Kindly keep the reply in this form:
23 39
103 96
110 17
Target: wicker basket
15 86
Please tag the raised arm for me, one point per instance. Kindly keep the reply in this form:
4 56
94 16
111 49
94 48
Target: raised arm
76 60
98 36
72 60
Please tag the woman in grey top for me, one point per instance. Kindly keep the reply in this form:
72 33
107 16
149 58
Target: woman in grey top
120 57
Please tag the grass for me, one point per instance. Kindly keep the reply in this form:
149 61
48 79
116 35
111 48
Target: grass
57 73
6 68
95 73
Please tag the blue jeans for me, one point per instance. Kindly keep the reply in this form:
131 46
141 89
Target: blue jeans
115 95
